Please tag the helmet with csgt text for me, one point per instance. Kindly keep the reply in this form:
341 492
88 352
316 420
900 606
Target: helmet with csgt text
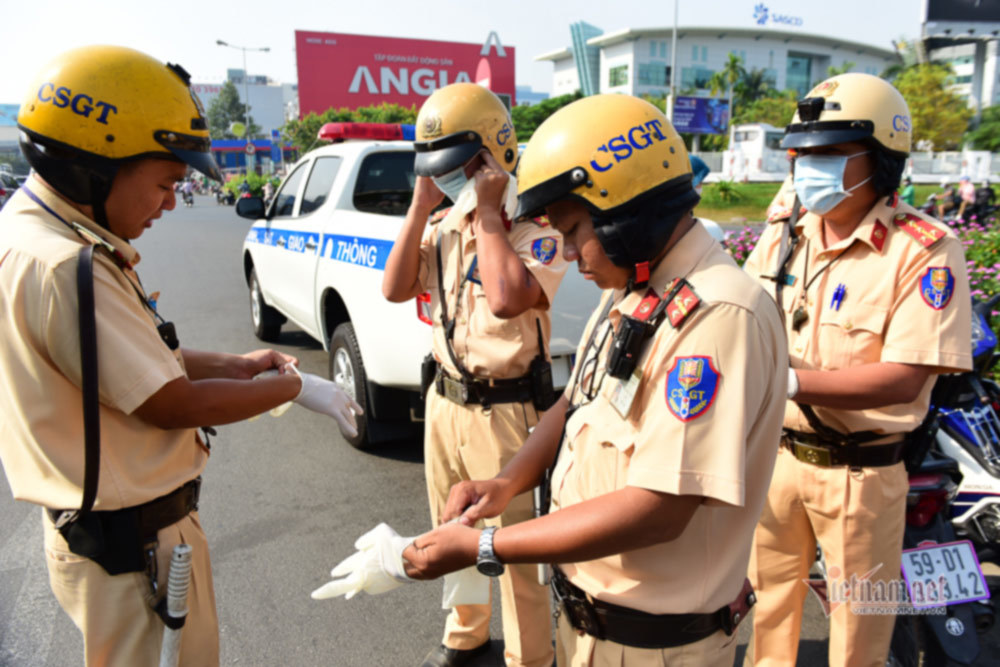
455 123
852 107
94 108
621 158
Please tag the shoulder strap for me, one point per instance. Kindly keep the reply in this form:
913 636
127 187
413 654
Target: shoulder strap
789 237
89 384
449 325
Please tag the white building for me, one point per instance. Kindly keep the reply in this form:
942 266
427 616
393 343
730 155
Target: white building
637 60
965 60
269 100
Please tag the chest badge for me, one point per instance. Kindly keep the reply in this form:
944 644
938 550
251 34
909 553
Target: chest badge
692 384
937 286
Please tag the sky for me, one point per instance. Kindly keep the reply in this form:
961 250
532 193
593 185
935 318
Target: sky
34 31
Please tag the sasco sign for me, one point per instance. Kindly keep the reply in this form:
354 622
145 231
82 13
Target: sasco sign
340 70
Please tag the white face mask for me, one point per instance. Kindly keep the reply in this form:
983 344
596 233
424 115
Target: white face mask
451 183
819 181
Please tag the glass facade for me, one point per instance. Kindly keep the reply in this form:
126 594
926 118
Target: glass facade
798 73
695 77
654 74
618 76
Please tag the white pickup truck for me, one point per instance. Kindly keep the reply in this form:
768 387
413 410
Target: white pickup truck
315 257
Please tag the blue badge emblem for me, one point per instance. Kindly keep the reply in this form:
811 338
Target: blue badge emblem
544 249
937 286
692 383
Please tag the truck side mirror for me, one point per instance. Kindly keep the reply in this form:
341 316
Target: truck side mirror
250 207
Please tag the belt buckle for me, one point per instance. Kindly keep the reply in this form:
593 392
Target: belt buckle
455 391
817 456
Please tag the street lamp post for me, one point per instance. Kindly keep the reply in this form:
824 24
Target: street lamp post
246 87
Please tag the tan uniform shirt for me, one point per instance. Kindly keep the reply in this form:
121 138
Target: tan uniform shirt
41 416
488 346
704 421
903 302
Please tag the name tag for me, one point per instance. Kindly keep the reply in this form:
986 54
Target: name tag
623 393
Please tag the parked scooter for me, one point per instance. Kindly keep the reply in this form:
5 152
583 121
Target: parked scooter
954 500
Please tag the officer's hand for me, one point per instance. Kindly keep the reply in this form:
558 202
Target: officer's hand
475 500
258 361
323 396
426 195
491 181
446 549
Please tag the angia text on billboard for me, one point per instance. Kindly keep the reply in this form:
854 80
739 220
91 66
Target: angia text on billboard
701 115
341 70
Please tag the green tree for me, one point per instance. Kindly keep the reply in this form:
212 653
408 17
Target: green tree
937 114
752 86
727 78
907 55
527 119
986 137
843 69
776 110
227 109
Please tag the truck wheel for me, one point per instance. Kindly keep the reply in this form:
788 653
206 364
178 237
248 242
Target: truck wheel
265 319
347 371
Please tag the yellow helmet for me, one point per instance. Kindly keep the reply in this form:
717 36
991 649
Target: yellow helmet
621 158
95 107
605 151
852 107
455 122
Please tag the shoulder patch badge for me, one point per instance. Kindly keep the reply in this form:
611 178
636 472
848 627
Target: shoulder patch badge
684 301
937 286
692 383
924 232
544 249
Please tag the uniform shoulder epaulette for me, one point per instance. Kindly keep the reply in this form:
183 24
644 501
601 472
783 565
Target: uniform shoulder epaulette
783 214
683 301
923 232
541 221
439 216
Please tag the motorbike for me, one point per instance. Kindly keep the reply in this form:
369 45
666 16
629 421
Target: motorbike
188 198
953 509
224 197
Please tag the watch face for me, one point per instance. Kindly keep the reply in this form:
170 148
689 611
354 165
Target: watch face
490 568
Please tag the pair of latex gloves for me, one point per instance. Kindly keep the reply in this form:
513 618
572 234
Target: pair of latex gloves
322 396
377 567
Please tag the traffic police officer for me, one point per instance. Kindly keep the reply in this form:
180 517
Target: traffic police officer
876 302
664 441
491 284
108 132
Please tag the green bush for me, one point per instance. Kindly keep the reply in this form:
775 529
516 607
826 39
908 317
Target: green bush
255 180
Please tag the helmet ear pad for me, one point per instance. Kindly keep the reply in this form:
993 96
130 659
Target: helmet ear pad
639 231
82 178
889 169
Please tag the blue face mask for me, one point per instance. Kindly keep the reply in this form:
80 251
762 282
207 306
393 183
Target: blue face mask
451 183
819 181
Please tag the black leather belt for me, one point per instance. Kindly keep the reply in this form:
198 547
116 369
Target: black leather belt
147 519
483 392
811 448
632 627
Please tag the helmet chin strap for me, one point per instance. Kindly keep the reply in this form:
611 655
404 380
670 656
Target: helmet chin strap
100 189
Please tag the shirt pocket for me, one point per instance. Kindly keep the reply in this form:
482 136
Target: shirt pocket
851 337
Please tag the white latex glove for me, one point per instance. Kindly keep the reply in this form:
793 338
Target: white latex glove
325 397
467 200
376 567
793 383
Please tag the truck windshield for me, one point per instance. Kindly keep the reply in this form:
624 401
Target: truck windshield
385 183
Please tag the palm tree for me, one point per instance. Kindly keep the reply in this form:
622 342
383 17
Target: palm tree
753 86
728 76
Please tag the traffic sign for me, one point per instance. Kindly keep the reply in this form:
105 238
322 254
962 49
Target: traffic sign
251 149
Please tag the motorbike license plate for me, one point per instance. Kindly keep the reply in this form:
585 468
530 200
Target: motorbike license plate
944 574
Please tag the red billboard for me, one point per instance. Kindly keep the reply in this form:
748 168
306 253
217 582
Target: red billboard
340 70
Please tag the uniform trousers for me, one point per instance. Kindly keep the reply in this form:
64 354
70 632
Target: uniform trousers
114 614
472 443
578 649
857 517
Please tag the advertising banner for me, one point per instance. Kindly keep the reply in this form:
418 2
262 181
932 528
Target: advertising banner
341 70
701 115
963 10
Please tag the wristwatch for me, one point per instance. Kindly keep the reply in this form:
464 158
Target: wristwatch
487 562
